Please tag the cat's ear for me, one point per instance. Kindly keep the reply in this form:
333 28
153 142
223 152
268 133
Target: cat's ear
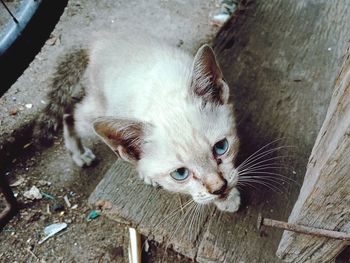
124 136
207 80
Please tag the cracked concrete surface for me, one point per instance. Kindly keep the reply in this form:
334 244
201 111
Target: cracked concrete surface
185 24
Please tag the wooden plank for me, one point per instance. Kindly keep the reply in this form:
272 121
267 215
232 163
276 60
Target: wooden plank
324 200
281 59
150 210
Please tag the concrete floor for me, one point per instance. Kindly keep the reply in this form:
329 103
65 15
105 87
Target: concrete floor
183 23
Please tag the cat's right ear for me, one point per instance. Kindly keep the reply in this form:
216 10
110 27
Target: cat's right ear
124 136
207 80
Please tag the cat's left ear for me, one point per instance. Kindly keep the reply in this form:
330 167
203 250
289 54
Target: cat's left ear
207 80
124 136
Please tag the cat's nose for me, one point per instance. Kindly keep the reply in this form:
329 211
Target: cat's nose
222 188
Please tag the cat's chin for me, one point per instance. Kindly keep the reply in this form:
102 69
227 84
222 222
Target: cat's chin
231 203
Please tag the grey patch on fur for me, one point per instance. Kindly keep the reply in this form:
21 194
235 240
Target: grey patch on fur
64 94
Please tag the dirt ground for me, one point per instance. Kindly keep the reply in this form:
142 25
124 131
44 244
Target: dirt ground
98 240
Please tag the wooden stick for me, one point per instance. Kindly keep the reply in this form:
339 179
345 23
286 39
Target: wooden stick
134 246
303 229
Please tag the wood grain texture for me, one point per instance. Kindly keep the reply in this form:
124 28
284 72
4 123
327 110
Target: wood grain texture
281 59
324 200
150 210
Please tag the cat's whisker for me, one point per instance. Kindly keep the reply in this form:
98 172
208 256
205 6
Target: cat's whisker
197 218
267 166
256 158
263 162
199 221
188 222
261 169
193 221
278 181
207 199
270 181
260 157
247 184
264 183
259 150
179 223
277 176
173 213
258 153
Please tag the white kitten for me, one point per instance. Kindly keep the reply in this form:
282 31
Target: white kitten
157 107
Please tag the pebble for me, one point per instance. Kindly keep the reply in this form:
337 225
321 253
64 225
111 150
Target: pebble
33 193
57 207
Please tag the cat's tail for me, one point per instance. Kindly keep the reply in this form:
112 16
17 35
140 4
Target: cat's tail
65 92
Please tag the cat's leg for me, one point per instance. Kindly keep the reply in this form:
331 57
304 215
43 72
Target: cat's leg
81 155
231 203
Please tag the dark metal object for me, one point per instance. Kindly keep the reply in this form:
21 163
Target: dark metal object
9 11
12 207
11 32
302 229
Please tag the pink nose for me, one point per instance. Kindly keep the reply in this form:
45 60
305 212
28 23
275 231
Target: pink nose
221 190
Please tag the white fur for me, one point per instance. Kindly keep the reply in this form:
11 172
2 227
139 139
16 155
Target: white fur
145 79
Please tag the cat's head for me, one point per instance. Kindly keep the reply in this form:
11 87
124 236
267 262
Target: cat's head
191 148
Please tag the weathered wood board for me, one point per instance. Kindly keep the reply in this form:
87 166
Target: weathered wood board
281 59
149 209
324 200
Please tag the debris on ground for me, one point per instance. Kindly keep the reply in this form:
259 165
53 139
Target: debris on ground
52 230
104 205
227 7
44 183
33 193
93 215
66 200
48 196
146 246
57 207
19 182
29 106
13 112
53 40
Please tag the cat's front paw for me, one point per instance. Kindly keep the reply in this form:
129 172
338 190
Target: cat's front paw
231 203
149 181
84 159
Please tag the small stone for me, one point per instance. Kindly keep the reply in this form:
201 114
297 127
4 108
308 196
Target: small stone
57 207
18 182
146 246
180 43
33 193
44 183
13 112
104 205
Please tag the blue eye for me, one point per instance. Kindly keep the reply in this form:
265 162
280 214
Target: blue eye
180 174
220 147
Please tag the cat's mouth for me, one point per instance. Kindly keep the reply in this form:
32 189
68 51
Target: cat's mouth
225 194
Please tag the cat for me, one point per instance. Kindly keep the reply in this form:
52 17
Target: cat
156 106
